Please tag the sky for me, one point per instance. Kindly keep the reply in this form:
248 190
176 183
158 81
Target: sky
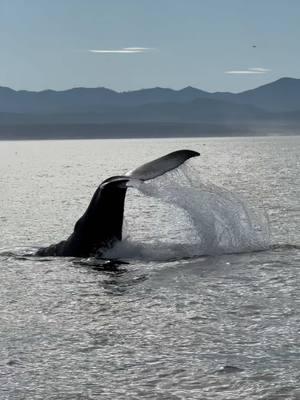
214 45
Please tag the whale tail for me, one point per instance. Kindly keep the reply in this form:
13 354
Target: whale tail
101 224
161 165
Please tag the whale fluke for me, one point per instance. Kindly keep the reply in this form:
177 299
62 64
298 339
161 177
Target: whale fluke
161 165
101 224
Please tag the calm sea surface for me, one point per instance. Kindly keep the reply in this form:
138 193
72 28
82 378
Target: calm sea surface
197 313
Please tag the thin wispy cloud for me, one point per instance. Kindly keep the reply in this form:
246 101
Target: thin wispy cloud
259 69
242 72
249 71
123 50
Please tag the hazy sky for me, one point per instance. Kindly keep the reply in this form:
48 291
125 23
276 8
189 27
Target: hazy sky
131 44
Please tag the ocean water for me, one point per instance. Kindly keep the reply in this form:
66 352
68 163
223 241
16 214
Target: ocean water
207 304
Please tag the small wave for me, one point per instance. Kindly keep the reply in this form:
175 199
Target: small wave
285 246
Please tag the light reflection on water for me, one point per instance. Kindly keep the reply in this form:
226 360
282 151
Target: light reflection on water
223 327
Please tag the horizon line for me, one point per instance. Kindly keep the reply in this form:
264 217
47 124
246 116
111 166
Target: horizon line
143 88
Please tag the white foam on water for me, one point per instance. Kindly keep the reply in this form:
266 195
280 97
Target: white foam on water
190 217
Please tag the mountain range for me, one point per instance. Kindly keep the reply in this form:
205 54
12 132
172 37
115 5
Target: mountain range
101 112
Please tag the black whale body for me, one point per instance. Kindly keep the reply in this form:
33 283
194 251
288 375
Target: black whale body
101 224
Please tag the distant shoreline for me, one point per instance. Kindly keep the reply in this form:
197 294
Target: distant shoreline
62 138
140 131
95 113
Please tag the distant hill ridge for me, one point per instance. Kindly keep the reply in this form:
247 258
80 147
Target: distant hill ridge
275 105
281 95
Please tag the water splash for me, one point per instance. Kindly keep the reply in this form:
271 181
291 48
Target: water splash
206 219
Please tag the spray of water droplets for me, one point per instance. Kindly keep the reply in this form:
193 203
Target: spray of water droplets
204 220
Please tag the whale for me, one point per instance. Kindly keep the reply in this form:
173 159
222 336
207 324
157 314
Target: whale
100 227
